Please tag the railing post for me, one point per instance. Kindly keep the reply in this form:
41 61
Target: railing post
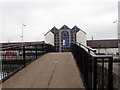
95 74
46 48
102 74
91 72
83 72
88 50
110 75
43 49
36 51
24 56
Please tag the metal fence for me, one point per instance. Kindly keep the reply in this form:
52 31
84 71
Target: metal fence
96 70
16 57
103 72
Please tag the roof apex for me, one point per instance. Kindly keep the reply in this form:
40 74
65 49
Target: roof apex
54 28
75 27
64 27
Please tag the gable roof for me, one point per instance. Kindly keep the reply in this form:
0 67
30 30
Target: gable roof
54 28
110 43
64 27
75 27
47 33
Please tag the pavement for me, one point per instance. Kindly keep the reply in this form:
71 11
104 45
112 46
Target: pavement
53 70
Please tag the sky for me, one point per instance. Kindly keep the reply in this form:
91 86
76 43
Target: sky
95 17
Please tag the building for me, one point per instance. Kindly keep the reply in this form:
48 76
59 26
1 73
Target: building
63 37
109 46
20 43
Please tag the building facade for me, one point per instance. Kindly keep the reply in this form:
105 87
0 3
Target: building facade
109 46
63 37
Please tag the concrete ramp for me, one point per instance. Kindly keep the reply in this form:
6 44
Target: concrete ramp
53 70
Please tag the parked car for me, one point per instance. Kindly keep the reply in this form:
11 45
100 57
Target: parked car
10 53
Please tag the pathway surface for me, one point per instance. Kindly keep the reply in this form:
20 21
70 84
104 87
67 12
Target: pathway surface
53 70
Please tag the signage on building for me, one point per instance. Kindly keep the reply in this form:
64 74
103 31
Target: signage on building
65 42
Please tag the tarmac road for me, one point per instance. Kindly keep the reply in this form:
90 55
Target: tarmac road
53 70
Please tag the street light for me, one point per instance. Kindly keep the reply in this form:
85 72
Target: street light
23 25
118 36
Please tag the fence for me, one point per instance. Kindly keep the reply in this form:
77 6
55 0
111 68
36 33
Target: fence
96 70
16 57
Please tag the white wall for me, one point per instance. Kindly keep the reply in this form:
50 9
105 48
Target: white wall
81 37
108 50
49 38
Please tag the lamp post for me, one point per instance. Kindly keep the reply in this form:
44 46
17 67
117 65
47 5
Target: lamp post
23 48
118 36
23 25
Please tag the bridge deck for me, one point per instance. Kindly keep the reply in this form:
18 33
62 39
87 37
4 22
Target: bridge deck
53 70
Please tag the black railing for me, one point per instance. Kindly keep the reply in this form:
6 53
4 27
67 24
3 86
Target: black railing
96 71
103 72
15 57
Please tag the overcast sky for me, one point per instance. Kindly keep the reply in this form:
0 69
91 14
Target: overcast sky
95 17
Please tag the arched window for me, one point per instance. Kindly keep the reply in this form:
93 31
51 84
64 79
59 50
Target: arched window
64 36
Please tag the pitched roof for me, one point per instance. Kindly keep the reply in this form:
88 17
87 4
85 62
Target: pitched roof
64 27
75 27
54 28
47 33
110 43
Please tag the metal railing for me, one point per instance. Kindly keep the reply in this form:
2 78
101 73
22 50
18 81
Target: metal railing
96 70
16 57
103 72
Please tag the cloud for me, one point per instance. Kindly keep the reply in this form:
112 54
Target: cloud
94 17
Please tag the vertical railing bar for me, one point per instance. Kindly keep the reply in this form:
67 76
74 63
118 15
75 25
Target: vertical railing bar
36 51
88 50
4 66
89 72
102 73
95 74
30 53
24 62
83 69
42 48
110 75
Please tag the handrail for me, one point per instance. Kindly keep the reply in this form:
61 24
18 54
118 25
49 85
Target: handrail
89 49
18 45
16 57
93 68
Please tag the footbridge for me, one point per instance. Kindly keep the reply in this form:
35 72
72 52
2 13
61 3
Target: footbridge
53 70
41 66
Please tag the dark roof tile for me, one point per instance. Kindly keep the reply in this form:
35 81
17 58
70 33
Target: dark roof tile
110 43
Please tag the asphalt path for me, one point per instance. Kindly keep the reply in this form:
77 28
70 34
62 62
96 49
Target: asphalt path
53 70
